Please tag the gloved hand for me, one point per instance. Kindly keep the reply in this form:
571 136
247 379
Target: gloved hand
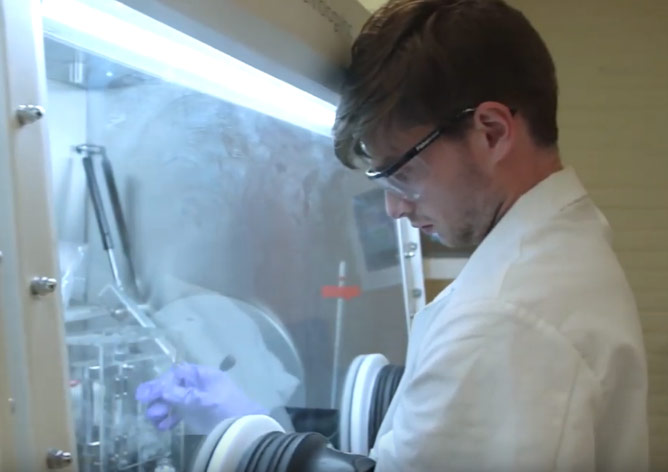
200 395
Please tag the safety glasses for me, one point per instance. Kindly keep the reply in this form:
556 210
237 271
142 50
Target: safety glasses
406 176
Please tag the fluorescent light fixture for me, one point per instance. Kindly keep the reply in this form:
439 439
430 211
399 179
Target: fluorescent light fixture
114 30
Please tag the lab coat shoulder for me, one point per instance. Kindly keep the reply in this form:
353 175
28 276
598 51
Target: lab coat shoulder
567 274
485 394
532 360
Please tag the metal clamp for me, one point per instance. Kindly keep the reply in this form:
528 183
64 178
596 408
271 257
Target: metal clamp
411 250
27 114
43 285
57 459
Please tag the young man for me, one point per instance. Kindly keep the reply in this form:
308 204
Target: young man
533 358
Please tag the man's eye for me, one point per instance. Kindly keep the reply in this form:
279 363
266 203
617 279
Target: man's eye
377 164
402 175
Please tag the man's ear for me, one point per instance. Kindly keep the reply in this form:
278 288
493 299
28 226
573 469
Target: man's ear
495 126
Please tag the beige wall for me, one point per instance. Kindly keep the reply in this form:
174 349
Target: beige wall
371 5
612 61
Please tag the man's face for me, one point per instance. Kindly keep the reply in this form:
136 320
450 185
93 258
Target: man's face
458 200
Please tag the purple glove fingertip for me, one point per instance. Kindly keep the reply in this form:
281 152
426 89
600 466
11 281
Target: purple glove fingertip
169 422
178 395
147 392
157 411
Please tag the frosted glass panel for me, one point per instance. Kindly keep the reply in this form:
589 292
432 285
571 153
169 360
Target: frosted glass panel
232 234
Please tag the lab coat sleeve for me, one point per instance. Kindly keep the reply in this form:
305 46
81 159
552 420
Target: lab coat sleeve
493 389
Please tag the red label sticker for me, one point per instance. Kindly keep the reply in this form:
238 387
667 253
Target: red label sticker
345 292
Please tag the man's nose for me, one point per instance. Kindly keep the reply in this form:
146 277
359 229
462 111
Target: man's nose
396 206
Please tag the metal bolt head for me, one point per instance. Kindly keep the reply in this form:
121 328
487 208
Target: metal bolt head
43 285
416 292
410 250
27 114
57 459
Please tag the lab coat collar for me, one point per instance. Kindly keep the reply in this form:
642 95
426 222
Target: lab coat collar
542 202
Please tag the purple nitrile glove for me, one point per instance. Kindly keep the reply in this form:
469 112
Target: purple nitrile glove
200 395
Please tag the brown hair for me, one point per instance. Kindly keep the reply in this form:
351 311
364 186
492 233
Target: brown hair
422 61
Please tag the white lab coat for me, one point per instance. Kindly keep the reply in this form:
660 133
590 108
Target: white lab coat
532 359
